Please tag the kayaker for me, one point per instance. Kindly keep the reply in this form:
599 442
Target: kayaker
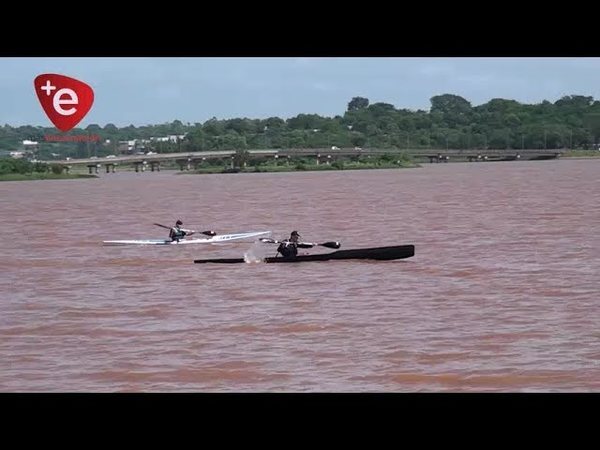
289 247
177 232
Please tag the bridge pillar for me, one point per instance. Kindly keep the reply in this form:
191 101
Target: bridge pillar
318 159
197 163
185 164
155 164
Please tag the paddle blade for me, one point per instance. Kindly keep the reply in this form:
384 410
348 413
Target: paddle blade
209 233
331 244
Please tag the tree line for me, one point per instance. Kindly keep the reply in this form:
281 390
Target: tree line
452 122
23 166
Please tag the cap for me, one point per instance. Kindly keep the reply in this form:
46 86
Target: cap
179 222
295 233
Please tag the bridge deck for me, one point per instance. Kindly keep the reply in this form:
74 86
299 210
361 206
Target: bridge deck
315 152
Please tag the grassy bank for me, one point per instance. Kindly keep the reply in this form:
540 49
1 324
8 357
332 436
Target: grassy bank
42 176
581 154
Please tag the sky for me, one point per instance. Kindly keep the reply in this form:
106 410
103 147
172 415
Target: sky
144 91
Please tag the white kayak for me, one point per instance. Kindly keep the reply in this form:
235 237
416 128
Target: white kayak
210 240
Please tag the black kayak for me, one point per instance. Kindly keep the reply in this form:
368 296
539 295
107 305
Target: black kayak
378 253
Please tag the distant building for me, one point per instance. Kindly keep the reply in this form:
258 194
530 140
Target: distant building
126 147
17 154
139 145
169 138
30 145
176 137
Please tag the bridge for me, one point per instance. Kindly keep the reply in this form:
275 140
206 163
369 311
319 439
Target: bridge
189 160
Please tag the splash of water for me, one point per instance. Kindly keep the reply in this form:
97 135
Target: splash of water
255 254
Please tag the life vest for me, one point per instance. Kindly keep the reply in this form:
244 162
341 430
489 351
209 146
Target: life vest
288 249
177 233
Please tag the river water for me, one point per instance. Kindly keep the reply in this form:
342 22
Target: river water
502 294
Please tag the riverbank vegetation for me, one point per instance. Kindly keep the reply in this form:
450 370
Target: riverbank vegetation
12 169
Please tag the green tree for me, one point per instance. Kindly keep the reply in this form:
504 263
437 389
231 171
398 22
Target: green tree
358 103
358 139
56 169
93 128
111 128
449 104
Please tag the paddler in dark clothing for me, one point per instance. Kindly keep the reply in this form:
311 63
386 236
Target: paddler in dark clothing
289 247
176 233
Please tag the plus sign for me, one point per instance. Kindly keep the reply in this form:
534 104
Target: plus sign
48 88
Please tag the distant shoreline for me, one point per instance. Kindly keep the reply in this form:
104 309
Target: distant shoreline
35 176
42 176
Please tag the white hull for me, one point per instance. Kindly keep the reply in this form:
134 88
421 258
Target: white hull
209 240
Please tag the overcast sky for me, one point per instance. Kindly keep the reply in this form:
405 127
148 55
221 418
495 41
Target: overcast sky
143 91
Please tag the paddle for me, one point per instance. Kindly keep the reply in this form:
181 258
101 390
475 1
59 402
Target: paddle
330 244
207 233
